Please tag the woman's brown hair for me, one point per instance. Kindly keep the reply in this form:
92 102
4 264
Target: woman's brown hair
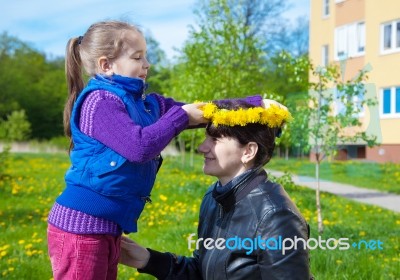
261 134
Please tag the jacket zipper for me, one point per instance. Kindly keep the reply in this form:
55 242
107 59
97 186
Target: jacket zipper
215 238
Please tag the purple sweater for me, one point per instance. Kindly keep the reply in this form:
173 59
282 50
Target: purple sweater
104 117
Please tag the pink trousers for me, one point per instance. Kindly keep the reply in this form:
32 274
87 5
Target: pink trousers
86 256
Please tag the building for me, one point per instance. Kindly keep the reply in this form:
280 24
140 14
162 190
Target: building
358 34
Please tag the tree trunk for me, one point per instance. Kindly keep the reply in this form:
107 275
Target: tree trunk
192 148
182 150
318 198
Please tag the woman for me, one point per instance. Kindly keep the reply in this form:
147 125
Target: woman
246 221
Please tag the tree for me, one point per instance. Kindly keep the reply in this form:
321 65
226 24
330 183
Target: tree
29 81
290 37
14 128
287 76
223 55
159 72
335 108
219 59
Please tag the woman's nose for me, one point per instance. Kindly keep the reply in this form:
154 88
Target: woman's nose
202 147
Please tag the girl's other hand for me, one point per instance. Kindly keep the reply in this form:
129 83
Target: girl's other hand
269 102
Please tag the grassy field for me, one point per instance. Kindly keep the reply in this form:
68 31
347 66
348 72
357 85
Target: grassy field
34 182
383 177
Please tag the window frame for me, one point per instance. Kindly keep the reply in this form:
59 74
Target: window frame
394 99
326 9
350 40
394 39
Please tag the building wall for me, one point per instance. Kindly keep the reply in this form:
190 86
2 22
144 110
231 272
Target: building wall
383 72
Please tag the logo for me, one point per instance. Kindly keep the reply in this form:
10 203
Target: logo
282 244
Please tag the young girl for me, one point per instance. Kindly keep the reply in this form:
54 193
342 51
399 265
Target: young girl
117 133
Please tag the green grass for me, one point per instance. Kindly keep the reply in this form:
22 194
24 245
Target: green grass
383 177
35 181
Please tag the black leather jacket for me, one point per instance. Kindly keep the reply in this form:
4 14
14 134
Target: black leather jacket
256 210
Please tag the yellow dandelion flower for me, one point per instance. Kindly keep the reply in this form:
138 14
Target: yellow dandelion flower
163 197
362 233
273 116
325 222
208 110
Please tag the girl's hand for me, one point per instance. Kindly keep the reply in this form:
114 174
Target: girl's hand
132 254
194 113
269 102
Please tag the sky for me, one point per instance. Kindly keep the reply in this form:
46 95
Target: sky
47 25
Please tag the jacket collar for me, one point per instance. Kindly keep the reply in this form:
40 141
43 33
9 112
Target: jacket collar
135 86
228 199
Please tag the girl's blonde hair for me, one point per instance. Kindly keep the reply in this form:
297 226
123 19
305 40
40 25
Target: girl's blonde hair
104 38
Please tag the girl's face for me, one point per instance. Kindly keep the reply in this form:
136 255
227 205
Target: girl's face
222 158
132 61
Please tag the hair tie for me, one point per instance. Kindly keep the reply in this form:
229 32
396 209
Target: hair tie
80 40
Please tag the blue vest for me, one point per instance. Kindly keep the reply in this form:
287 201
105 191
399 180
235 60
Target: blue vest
100 182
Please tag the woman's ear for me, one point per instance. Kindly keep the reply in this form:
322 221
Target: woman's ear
249 152
105 65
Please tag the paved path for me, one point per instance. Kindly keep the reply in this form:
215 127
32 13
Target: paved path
381 199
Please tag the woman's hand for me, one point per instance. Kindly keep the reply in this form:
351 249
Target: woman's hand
132 254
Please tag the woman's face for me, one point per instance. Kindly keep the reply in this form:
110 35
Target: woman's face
222 158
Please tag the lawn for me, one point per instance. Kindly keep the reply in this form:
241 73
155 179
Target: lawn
383 177
34 181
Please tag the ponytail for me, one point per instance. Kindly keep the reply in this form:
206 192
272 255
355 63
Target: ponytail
81 57
75 83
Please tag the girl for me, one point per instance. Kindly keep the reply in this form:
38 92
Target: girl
117 133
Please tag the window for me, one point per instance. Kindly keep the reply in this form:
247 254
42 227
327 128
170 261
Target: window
350 40
398 35
390 102
390 37
325 8
325 55
387 101
397 108
360 44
